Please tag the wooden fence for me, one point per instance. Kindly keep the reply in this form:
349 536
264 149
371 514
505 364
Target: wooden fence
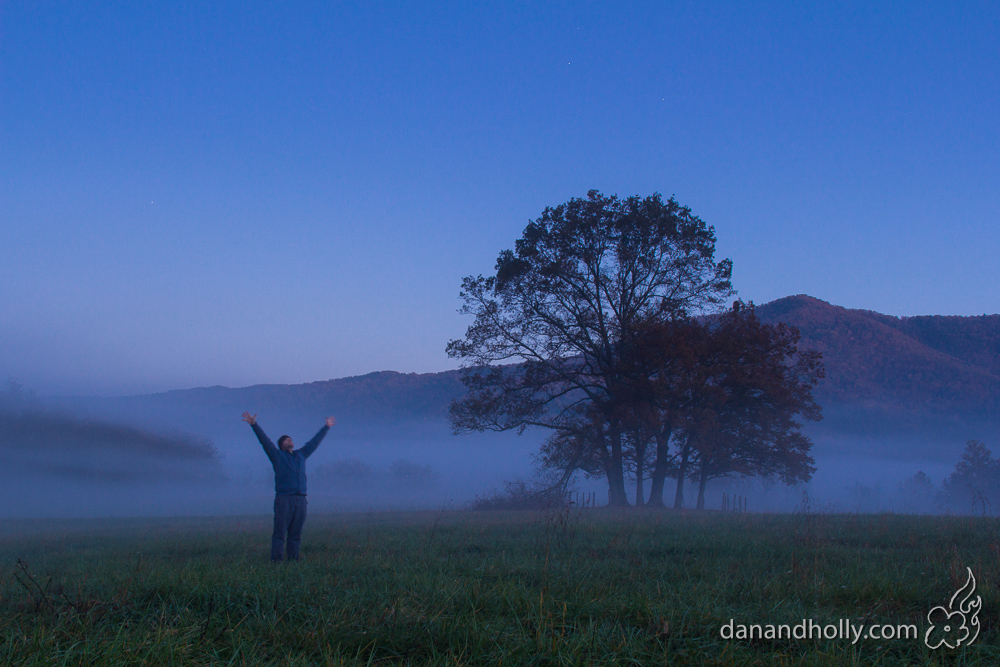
733 503
578 499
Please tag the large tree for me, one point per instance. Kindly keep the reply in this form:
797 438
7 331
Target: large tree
555 326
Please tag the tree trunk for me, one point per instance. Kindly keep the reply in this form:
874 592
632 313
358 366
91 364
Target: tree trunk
659 474
681 474
605 456
702 483
614 490
640 457
617 471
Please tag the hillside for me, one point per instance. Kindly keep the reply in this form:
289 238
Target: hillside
380 397
362 404
898 374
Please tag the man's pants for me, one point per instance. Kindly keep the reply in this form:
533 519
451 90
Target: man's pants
289 515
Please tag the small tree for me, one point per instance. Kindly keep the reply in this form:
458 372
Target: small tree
733 394
761 383
975 481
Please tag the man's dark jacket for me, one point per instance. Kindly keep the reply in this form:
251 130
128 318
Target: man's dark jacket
289 467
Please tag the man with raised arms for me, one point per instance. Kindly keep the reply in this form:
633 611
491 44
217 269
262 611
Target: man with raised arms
289 486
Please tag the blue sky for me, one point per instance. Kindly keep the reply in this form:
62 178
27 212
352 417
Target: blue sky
236 192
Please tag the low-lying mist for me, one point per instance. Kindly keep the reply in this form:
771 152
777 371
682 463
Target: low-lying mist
53 464
138 463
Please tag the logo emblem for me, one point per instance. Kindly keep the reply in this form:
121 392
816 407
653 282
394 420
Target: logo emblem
958 623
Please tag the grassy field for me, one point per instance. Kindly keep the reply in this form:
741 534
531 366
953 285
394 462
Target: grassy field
581 587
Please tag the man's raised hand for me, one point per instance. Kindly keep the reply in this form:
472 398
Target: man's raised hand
251 418
330 421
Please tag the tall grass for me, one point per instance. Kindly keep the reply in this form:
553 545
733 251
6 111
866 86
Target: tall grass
564 587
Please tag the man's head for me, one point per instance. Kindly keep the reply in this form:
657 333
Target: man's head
285 443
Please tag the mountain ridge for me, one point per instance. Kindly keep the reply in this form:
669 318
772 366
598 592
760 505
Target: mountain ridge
886 375
874 359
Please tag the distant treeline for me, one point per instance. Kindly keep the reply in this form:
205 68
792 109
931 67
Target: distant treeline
40 443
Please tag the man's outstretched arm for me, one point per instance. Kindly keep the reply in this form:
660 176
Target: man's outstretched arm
318 438
265 442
